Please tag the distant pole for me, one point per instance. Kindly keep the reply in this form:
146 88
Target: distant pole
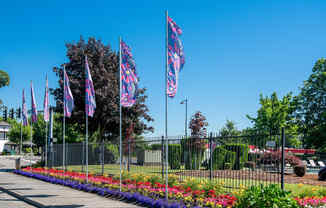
185 101
86 146
283 159
120 109
31 143
51 136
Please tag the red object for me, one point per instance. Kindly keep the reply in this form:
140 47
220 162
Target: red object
301 151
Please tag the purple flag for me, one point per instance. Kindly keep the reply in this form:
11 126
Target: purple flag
176 58
46 102
129 80
90 93
68 98
24 111
34 111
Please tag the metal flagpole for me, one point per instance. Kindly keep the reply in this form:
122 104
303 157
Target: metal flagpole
64 122
31 143
166 109
120 131
21 136
46 144
86 146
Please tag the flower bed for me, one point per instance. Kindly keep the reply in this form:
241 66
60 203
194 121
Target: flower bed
149 190
146 190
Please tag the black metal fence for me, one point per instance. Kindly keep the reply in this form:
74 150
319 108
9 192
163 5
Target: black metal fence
234 161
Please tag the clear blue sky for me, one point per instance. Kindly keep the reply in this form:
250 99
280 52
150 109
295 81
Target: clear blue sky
234 50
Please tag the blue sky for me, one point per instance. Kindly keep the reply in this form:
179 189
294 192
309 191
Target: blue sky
234 50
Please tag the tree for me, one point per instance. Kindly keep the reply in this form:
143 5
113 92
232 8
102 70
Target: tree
39 131
4 80
198 125
311 106
275 114
104 68
195 145
229 129
14 132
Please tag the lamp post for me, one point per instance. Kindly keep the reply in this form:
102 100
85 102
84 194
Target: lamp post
185 101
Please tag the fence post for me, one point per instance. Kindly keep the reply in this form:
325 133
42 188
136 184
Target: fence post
102 159
162 156
83 156
210 155
128 155
283 159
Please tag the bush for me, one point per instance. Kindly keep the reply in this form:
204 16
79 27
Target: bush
222 159
241 152
276 158
174 156
156 147
300 170
266 197
111 153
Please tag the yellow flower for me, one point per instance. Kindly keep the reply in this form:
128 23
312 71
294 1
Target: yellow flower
300 185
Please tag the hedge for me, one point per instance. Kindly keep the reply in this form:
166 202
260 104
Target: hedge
241 151
174 156
222 159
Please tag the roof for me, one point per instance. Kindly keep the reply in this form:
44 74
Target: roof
3 123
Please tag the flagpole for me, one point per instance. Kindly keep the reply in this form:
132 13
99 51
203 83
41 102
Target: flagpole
120 108
31 142
21 135
46 144
64 122
86 142
166 106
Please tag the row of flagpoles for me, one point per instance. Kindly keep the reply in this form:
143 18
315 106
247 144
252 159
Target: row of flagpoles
128 89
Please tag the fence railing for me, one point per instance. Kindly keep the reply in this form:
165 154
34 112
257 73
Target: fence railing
234 161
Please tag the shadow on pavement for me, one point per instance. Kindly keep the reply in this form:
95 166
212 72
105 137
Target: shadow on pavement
39 196
65 206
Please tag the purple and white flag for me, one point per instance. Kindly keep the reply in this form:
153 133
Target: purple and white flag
129 80
46 102
24 111
90 93
68 98
34 111
176 57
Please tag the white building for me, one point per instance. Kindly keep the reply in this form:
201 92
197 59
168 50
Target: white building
4 129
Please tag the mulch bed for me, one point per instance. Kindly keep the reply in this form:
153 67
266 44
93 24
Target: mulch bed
311 179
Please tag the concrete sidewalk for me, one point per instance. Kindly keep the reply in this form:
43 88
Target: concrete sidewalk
51 195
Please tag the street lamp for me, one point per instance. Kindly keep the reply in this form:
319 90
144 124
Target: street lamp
185 101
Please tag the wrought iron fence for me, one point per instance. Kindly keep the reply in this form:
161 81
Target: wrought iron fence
234 161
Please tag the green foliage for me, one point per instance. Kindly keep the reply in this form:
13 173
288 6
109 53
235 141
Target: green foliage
14 132
241 152
311 106
4 79
229 129
156 147
222 159
266 197
111 153
174 156
276 113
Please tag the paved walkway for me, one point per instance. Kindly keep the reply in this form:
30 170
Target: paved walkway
46 194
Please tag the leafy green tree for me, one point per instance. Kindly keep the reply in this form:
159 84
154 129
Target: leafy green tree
14 132
4 80
311 106
229 129
72 133
274 114
104 67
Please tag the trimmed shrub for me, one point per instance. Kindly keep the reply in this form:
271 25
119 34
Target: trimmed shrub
174 156
222 159
241 152
300 170
156 147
